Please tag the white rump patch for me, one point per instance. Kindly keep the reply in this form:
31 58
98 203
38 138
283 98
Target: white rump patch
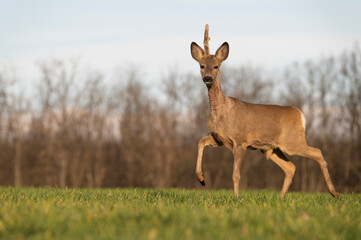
303 119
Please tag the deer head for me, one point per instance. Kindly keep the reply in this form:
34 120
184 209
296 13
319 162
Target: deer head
209 64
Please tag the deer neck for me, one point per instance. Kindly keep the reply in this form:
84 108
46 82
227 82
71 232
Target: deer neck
216 97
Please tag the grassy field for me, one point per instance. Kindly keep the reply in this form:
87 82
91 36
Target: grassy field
47 213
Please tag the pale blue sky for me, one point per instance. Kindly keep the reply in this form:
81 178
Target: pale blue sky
156 34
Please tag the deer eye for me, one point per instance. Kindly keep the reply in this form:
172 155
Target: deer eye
215 67
202 67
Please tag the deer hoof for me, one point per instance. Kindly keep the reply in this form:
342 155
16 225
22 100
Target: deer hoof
337 195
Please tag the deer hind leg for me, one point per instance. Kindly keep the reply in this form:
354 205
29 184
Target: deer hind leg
206 141
316 154
286 165
238 155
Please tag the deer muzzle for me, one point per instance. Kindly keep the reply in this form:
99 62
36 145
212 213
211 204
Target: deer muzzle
208 80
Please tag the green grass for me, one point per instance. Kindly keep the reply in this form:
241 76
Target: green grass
48 213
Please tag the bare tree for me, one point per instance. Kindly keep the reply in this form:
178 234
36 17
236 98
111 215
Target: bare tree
13 115
351 74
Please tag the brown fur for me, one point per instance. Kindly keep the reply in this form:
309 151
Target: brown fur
240 125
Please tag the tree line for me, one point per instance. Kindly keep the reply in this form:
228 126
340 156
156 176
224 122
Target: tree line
74 128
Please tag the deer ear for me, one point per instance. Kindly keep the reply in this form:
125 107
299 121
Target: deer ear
196 51
222 52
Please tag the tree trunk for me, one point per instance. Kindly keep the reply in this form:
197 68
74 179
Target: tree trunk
17 164
63 169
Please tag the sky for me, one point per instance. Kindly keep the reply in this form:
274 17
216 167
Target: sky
155 35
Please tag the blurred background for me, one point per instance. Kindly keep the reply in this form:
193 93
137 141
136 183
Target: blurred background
107 94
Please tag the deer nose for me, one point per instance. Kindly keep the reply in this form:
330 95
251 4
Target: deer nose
207 79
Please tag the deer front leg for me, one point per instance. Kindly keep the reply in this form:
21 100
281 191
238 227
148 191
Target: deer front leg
238 156
206 141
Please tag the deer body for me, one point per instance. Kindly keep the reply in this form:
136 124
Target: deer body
239 125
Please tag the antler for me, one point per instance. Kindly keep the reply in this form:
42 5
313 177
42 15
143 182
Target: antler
206 39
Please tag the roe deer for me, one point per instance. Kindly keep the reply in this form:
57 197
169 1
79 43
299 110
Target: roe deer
239 125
